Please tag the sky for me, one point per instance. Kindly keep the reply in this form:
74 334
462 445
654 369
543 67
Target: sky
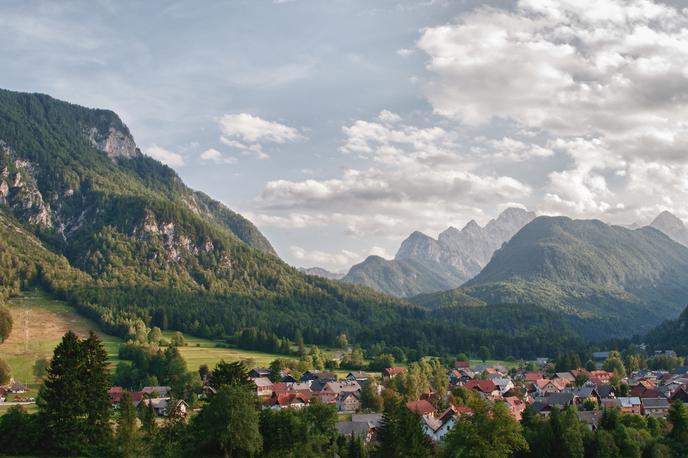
341 126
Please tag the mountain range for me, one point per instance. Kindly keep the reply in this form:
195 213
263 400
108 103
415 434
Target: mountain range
120 237
601 278
425 265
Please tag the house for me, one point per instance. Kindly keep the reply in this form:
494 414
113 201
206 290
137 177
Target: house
163 406
328 392
156 391
348 401
516 407
679 394
567 376
115 394
486 387
258 372
585 393
533 376
462 364
310 376
561 400
503 384
391 372
17 387
605 391
600 355
591 418
421 407
545 386
358 428
600 376
642 391
357 376
263 386
655 407
630 405
293 400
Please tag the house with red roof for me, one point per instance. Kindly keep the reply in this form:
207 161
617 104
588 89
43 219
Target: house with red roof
391 372
486 387
421 407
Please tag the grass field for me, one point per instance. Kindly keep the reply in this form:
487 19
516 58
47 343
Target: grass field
39 324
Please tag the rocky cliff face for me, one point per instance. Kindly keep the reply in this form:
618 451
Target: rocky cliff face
19 191
424 264
113 142
672 226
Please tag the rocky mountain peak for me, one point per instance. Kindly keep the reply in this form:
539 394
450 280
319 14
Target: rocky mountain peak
113 142
672 226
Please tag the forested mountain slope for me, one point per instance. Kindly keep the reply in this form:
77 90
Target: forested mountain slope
122 239
605 280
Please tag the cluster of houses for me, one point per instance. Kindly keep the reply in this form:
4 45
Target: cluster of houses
156 396
321 385
15 392
649 393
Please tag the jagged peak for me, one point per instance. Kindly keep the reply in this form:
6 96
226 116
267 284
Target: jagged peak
667 217
472 226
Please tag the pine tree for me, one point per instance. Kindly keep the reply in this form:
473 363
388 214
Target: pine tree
61 401
128 439
95 383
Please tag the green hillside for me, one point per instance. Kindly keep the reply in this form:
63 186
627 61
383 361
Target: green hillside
604 280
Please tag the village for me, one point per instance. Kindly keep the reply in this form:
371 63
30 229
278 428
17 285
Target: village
644 392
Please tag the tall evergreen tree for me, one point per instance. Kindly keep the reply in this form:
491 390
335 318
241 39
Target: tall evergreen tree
229 422
128 444
61 400
95 382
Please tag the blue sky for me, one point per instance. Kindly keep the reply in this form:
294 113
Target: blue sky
339 127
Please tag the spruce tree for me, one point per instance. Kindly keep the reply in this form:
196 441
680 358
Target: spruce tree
128 439
61 399
95 380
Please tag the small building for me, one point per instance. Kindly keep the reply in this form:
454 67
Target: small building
390 372
263 386
357 376
259 372
348 401
655 407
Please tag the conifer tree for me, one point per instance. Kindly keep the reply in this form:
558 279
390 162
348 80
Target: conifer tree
61 401
128 440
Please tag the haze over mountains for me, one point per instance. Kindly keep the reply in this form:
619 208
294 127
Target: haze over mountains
424 265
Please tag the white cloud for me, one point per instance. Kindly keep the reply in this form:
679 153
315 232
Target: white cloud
417 178
252 129
165 156
213 155
249 133
405 52
336 261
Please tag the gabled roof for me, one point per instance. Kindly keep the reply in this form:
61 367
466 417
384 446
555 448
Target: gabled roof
629 401
533 376
262 382
421 407
656 403
485 386
604 390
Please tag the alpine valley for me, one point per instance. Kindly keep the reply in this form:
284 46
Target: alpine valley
86 216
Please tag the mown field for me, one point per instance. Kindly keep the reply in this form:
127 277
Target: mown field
39 324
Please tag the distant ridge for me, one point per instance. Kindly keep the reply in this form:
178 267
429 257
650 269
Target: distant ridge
609 280
426 265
